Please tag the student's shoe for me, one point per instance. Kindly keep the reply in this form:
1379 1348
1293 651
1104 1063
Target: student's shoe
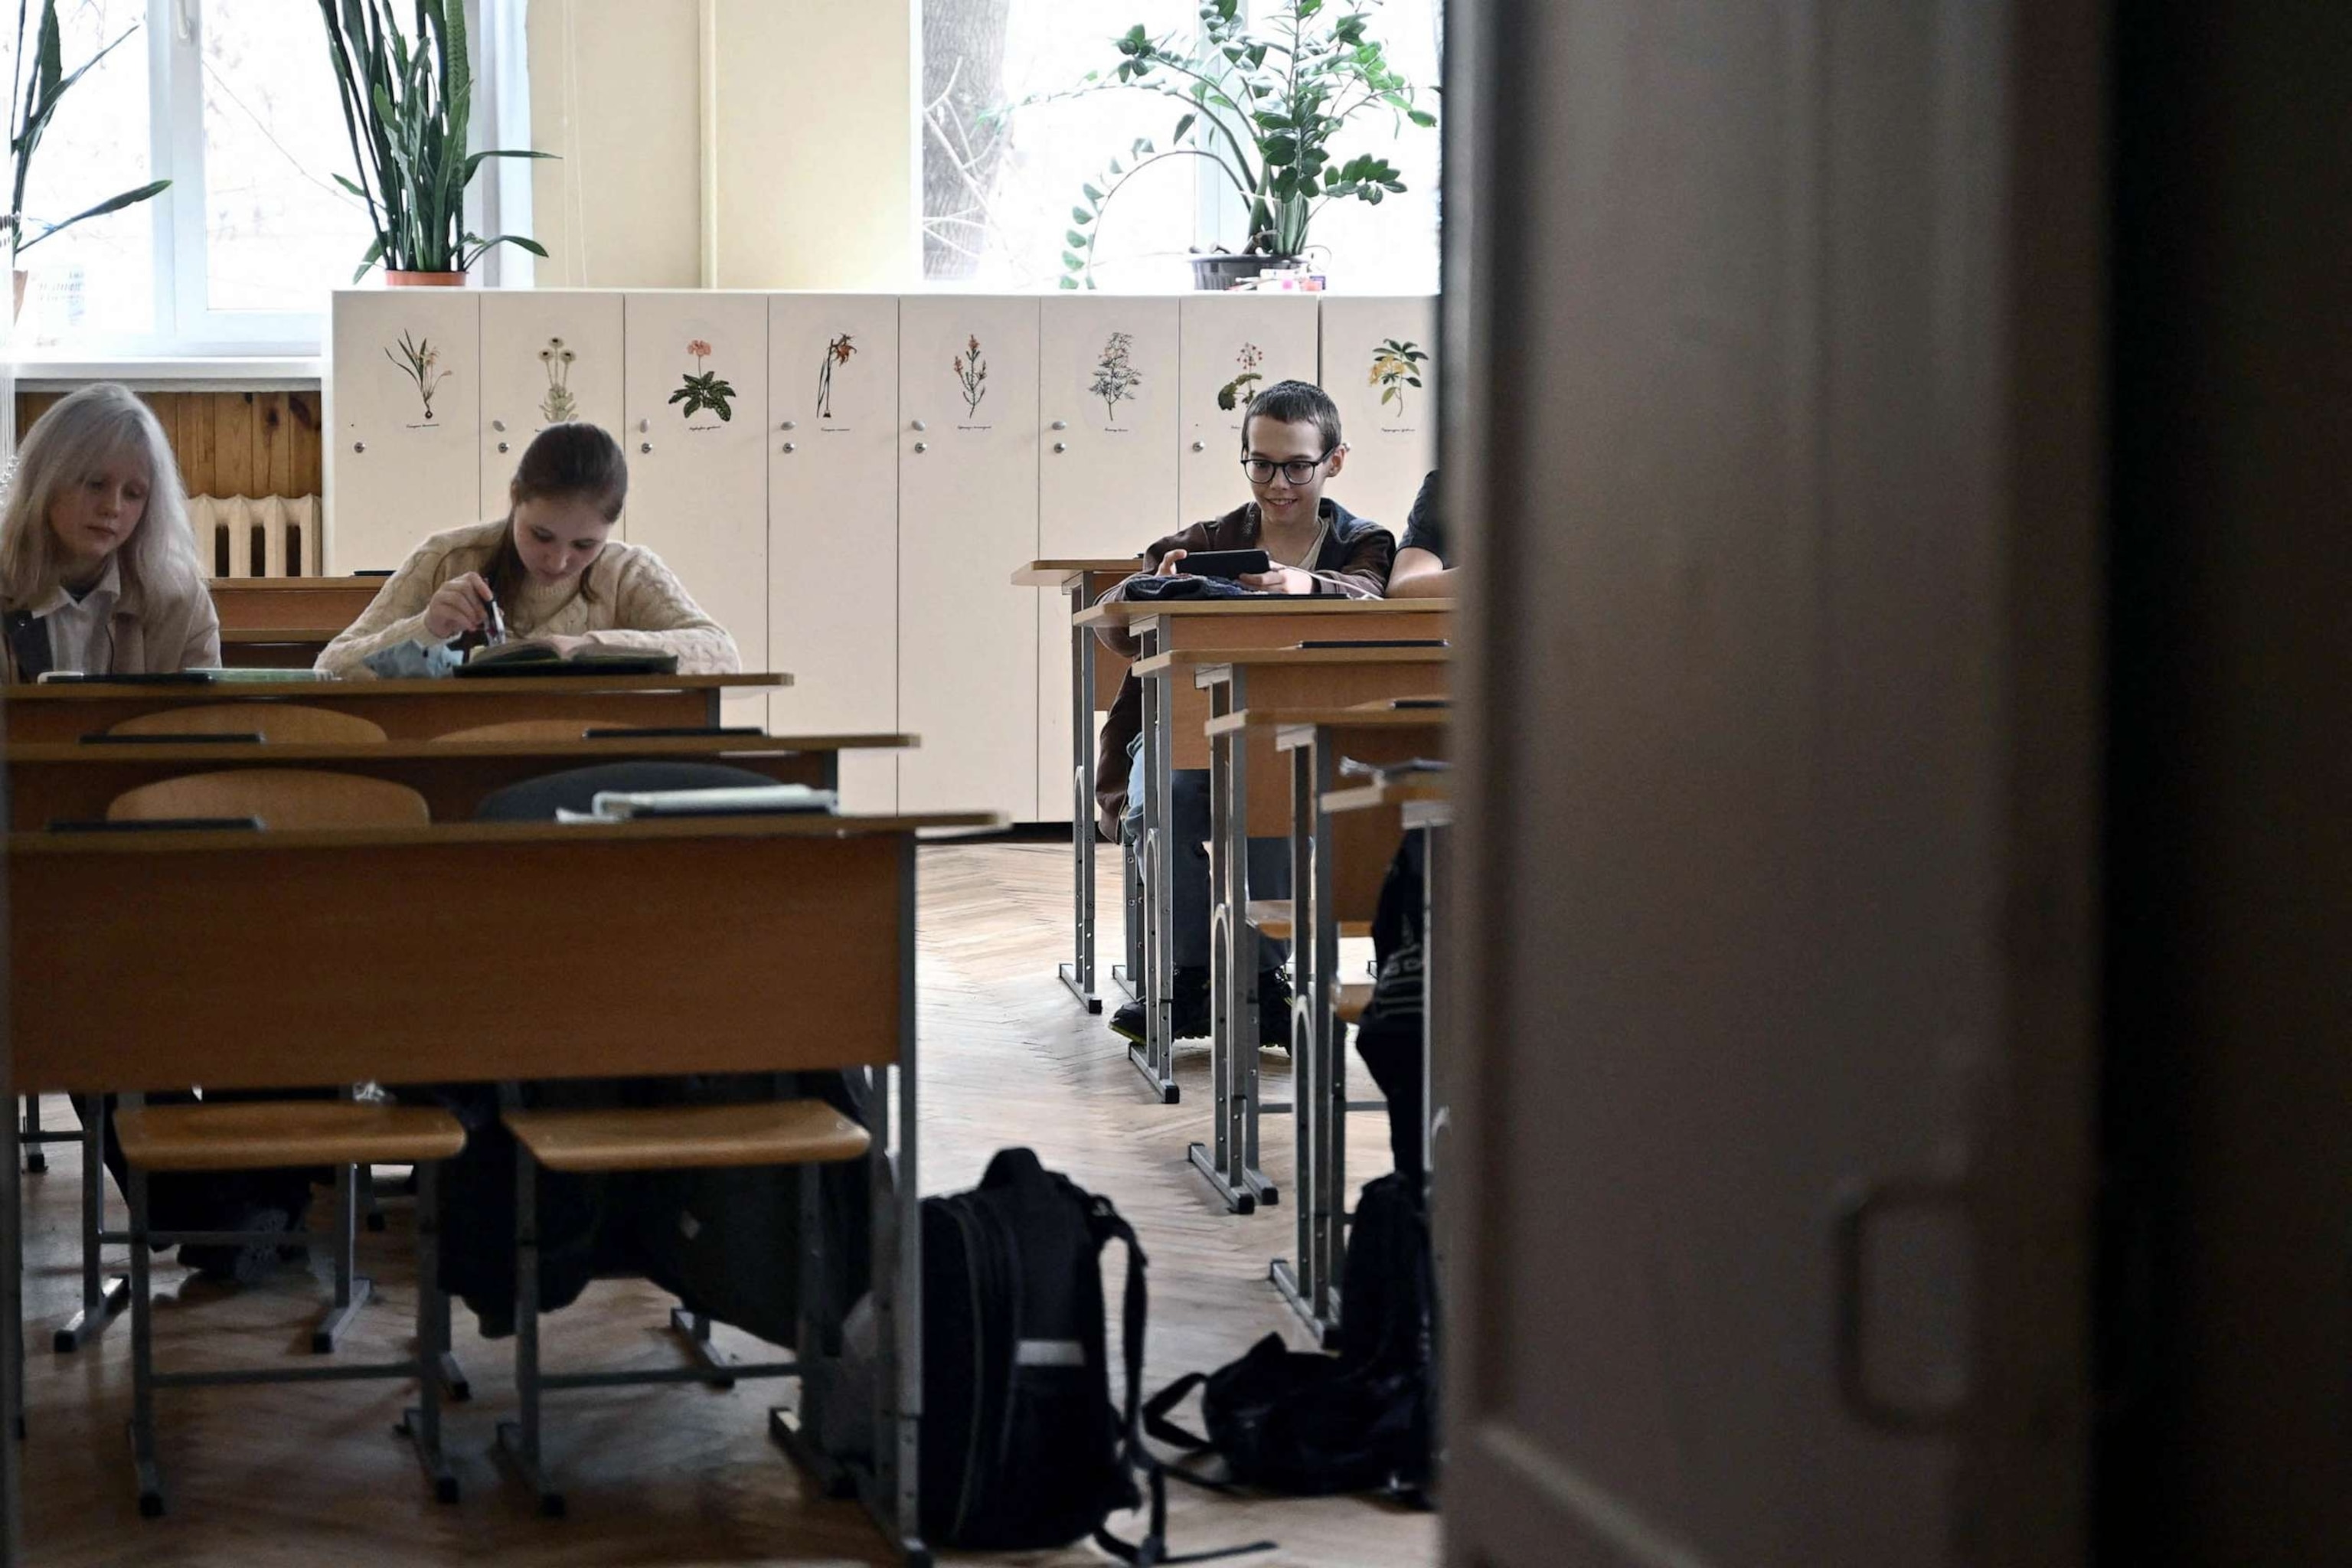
1273 1009
1189 1016
246 1264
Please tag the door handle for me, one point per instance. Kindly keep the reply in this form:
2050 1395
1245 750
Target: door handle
1857 1208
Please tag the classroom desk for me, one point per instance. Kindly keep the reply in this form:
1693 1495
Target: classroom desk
739 944
1249 798
408 709
1094 684
71 781
285 623
1181 626
1341 843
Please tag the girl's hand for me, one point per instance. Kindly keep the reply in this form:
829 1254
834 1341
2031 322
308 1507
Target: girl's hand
1168 563
1281 580
461 604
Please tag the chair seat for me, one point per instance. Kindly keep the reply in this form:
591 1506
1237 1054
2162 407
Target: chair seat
261 1135
1353 999
664 1138
1271 917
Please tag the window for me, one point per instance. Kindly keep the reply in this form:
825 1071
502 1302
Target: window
999 182
235 102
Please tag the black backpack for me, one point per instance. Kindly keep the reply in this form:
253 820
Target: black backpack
1309 1423
1022 1447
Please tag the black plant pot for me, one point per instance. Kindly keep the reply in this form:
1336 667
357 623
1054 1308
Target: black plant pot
1221 272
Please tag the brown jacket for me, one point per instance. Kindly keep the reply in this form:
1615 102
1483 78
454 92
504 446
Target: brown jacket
157 630
1353 564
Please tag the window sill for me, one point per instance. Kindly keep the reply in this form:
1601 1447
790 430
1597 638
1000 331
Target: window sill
272 373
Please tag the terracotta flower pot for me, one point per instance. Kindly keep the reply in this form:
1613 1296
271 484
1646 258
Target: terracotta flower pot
397 279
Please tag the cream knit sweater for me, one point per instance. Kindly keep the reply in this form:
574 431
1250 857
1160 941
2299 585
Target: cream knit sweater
638 603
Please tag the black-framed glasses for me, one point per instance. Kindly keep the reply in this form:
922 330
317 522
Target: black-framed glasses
1298 470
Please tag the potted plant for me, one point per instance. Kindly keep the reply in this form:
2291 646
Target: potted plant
33 99
407 103
1263 104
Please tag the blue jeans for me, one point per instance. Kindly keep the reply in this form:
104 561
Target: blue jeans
1188 862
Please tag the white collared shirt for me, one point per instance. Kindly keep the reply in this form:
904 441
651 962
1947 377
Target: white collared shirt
81 631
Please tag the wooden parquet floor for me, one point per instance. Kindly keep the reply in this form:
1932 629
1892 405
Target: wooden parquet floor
307 1476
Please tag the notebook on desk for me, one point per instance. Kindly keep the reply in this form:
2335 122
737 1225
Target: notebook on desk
747 800
528 658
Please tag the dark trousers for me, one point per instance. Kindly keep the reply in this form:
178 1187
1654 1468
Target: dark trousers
1188 864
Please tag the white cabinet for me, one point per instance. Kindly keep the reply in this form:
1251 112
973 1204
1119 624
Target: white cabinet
548 355
694 415
1374 350
1234 346
833 527
967 516
404 403
1109 396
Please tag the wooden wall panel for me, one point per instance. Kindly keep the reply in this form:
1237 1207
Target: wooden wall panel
228 443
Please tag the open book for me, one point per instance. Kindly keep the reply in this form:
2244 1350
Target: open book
528 657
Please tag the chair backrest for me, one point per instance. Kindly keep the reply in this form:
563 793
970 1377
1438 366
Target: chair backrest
575 789
279 723
287 799
529 730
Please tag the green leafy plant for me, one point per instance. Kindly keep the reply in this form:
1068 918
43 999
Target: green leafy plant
704 390
1395 366
1235 392
408 103
421 363
1115 378
1264 104
33 100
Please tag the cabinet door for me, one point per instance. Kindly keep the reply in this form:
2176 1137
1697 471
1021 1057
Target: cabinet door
695 394
403 386
967 518
1233 345
833 526
1109 395
1379 364
548 355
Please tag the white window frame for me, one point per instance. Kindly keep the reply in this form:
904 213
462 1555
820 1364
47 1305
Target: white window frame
185 325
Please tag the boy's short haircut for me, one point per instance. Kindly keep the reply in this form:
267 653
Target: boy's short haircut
1292 402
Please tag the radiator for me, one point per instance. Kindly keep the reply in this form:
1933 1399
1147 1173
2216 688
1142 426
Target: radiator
240 536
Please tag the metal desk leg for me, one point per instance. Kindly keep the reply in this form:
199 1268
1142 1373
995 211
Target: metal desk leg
1080 974
102 1298
1295 1280
1232 1012
1331 1212
1158 1054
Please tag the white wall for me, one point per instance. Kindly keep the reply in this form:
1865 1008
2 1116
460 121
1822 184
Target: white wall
811 152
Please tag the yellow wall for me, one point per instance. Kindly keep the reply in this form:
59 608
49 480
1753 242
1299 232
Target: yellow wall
812 163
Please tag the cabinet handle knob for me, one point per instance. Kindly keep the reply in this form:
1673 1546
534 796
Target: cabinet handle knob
920 426
1061 446
1200 446
643 426
645 446
1061 423
499 425
792 447
788 425
359 445
502 445
922 445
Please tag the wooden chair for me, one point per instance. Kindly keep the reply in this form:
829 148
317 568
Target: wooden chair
286 799
250 1135
804 1133
277 724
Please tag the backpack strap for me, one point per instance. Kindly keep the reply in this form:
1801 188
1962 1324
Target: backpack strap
1151 1551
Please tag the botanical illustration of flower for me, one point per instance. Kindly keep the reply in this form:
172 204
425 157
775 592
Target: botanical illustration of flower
421 363
1395 366
1115 378
972 370
1231 395
558 405
703 389
835 352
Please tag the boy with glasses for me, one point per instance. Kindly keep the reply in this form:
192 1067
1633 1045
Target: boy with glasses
1290 449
